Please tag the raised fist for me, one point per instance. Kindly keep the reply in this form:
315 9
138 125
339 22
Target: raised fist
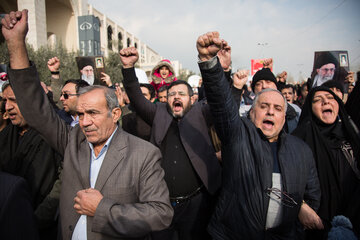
240 78
15 26
208 45
53 64
268 63
129 57
224 56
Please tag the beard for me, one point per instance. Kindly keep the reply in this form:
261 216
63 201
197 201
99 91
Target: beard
319 80
89 79
182 113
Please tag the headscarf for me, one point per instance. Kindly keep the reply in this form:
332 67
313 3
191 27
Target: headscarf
322 139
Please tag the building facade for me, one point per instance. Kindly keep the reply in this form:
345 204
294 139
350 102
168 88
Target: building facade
55 21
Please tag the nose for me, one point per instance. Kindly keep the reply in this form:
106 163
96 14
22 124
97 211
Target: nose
325 101
86 120
62 98
8 106
270 111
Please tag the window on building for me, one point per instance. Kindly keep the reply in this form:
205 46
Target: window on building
128 42
120 44
109 34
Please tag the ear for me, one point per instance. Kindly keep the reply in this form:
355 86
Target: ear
152 100
116 114
251 114
192 100
5 115
318 70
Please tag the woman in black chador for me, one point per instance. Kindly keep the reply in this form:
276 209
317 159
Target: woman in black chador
335 142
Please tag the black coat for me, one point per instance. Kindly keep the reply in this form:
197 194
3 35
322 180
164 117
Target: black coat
247 170
193 129
17 220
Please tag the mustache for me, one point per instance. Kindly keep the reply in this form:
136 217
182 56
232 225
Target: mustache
89 129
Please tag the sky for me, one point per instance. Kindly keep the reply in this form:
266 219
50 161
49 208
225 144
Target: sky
289 31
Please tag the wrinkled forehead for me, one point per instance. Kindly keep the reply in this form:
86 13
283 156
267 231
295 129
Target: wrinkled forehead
272 97
8 92
93 99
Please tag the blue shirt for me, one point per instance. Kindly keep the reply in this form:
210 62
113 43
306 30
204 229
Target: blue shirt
80 231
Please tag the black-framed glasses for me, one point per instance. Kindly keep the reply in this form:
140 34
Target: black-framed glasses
284 197
67 95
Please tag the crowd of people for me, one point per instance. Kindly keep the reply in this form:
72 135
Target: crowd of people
165 160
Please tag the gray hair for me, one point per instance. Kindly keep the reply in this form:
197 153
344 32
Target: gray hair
5 85
268 90
110 96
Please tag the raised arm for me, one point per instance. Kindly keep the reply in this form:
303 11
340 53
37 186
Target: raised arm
222 104
32 100
143 107
56 83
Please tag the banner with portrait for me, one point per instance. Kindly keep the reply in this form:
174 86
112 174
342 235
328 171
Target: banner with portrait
330 65
97 63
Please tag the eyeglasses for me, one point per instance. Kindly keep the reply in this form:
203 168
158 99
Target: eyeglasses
328 69
67 95
284 197
182 94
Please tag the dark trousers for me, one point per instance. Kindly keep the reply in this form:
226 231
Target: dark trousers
190 219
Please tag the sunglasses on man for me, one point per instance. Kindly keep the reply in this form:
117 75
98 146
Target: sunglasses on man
67 95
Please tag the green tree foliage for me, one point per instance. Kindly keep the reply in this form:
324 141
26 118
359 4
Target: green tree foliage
68 68
185 74
113 67
40 57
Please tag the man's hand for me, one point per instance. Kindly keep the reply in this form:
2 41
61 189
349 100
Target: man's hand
208 45
129 57
106 79
53 64
14 30
120 96
350 77
86 201
268 63
308 218
240 78
14 26
224 56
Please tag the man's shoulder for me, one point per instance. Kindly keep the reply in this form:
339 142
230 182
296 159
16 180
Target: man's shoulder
133 141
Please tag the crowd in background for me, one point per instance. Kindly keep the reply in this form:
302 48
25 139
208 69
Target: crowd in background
219 158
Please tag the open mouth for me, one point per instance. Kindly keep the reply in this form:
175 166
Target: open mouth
177 106
12 116
327 112
268 123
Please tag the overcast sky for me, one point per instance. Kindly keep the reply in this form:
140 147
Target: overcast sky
289 31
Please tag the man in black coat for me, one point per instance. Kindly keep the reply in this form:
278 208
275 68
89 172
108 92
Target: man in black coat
25 153
17 220
267 174
181 130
